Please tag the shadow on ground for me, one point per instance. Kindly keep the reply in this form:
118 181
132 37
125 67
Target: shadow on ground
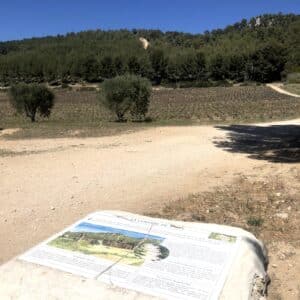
276 143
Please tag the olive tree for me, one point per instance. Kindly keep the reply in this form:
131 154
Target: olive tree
126 93
32 98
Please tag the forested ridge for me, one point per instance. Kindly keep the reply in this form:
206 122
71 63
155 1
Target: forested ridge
262 49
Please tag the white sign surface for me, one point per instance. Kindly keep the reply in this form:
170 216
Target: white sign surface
151 256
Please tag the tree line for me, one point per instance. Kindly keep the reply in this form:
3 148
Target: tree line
261 49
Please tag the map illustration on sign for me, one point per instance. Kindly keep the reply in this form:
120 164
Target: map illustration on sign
128 247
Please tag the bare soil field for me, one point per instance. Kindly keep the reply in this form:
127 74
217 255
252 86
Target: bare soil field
78 113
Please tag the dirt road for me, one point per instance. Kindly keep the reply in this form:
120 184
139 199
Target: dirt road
48 184
51 183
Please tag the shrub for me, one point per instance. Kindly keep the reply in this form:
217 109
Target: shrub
64 85
86 89
219 67
141 98
32 98
267 63
126 93
255 221
159 63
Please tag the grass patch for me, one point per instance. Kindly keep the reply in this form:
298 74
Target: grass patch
254 221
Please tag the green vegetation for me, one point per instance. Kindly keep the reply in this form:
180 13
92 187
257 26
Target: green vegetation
126 93
99 250
254 221
112 246
222 237
78 113
263 49
32 98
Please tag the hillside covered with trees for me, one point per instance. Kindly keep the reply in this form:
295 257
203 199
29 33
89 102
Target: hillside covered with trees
261 49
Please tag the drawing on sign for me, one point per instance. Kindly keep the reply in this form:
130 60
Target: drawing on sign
130 247
222 237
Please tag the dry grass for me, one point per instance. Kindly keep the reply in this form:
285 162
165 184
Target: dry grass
252 204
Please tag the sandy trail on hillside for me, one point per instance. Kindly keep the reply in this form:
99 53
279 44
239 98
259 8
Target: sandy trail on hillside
54 182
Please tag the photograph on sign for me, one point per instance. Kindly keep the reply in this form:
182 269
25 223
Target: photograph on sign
131 248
